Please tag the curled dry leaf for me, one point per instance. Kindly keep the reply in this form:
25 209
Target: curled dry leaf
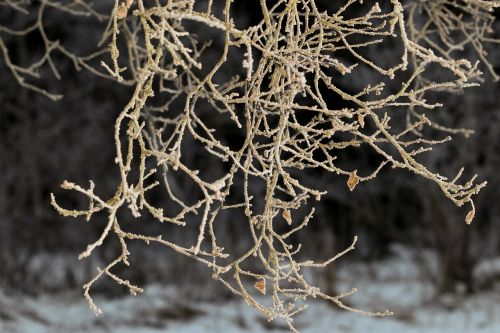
470 217
287 216
261 286
361 119
353 180
122 12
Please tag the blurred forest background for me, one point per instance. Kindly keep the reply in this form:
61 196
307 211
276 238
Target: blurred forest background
42 143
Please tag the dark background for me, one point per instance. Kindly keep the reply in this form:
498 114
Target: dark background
42 143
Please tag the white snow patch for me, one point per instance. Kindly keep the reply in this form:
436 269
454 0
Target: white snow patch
392 284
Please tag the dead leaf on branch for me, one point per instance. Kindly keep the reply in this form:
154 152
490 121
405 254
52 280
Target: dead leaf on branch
353 180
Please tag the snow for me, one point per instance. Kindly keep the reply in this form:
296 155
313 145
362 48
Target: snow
392 284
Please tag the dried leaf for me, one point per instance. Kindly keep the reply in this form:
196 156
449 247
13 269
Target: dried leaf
261 286
353 180
122 12
361 119
287 216
470 217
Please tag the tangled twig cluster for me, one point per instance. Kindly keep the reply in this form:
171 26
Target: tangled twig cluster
292 63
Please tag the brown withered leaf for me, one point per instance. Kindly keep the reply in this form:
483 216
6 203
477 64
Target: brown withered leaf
287 216
122 12
361 119
470 217
353 180
261 286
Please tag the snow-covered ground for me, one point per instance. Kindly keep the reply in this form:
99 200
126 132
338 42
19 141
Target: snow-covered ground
392 284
